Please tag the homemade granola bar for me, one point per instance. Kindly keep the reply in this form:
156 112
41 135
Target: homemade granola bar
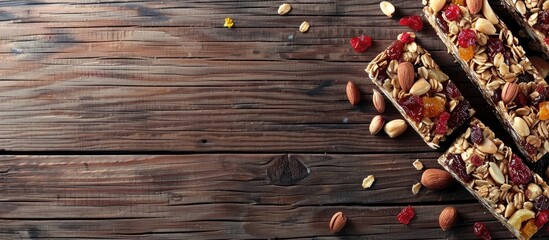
533 16
499 179
495 62
422 93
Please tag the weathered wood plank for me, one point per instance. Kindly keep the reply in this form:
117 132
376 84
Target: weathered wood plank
151 76
209 196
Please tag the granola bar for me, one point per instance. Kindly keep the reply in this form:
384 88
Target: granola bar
533 16
422 93
497 65
499 179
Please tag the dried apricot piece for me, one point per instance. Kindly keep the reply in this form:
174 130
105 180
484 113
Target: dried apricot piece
544 110
466 53
529 229
432 106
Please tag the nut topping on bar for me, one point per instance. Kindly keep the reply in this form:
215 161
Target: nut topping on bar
496 63
414 83
499 179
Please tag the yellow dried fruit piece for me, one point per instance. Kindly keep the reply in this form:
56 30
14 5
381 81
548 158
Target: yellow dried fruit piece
228 22
519 217
529 229
466 53
543 111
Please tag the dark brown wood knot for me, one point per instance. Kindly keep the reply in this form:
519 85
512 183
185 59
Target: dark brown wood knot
287 170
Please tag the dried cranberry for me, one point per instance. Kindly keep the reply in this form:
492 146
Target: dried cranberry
361 44
530 149
414 22
442 123
520 100
542 92
406 38
496 95
413 106
543 22
452 91
477 160
406 215
495 46
542 218
459 115
546 40
481 231
541 203
395 50
466 38
452 13
476 135
518 171
442 23
458 166
525 77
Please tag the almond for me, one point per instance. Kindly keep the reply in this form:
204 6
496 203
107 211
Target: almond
337 222
377 124
379 102
405 75
353 94
420 87
509 92
437 5
521 127
484 26
489 13
395 128
448 218
474 5
436 179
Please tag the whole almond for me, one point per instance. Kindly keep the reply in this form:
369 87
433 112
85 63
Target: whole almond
509 92
405 75
420 87
489 13
395 128
484 26
448 218
521 127
353 94
379 101
337 222
474 5
436 179
387 8
284 9
437 5
377 124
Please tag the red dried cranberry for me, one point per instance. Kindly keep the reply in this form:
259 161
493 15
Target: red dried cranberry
406 38
442 23
477 160
458 166
452 91
530 149
481 231
459 115
541 203
406 215
520 100
476 135
414 22
543 22
395 50
413 106
525 77
466 38
452 13
540 97
542 218
442 123
361 44
518 171
495 46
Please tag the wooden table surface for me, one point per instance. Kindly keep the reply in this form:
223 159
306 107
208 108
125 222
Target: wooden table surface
148 120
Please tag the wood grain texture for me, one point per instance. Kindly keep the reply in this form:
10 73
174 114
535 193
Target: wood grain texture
227 196
165 75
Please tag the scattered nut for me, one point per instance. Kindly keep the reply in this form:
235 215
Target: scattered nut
418 165
379 101
415 188
284 9
304 27
395 128
337 222
387 8
377 124
447 218
368 181
436 179
353 94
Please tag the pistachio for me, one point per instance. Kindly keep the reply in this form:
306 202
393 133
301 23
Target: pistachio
395 128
